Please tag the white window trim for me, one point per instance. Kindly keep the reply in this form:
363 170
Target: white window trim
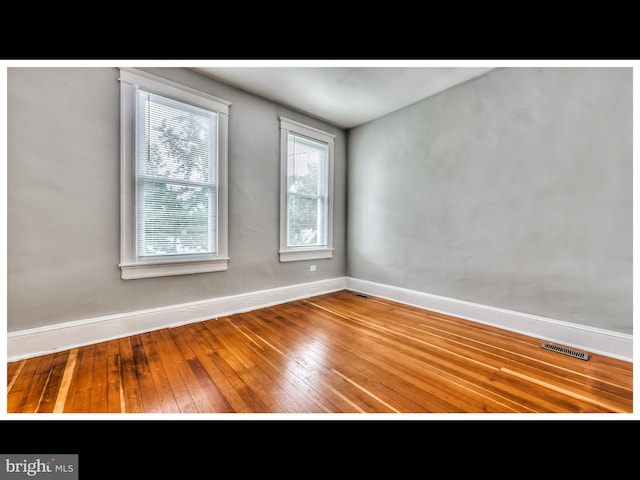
131 266
293 254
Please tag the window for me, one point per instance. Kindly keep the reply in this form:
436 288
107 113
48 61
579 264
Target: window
173 178
306 192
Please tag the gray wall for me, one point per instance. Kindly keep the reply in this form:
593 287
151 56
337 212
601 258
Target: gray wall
63 224
513 190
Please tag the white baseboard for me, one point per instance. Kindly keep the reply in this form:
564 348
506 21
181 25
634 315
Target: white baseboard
595 340
39 341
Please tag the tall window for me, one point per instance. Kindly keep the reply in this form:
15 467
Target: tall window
306 192
174 218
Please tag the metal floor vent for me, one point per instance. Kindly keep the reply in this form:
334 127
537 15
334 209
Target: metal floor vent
566 351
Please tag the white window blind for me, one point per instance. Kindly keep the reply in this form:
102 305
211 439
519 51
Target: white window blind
176 177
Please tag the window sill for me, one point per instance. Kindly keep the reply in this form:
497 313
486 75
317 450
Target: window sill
164 269
305 254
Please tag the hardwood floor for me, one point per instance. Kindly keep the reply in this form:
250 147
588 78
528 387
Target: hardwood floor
334 353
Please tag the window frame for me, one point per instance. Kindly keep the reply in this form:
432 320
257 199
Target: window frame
132 266
299 253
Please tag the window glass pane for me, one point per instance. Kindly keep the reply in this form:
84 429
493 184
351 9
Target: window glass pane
306 166
177 140
304 221
176 172
174 219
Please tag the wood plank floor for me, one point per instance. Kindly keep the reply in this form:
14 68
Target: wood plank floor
334 353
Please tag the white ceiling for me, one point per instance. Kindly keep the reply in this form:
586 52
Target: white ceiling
344 96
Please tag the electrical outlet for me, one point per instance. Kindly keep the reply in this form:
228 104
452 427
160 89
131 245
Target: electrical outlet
312 268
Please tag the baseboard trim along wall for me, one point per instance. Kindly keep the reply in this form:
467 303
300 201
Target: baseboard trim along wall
63 336
594 340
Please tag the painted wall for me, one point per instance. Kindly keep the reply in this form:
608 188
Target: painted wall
63 218
513 190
